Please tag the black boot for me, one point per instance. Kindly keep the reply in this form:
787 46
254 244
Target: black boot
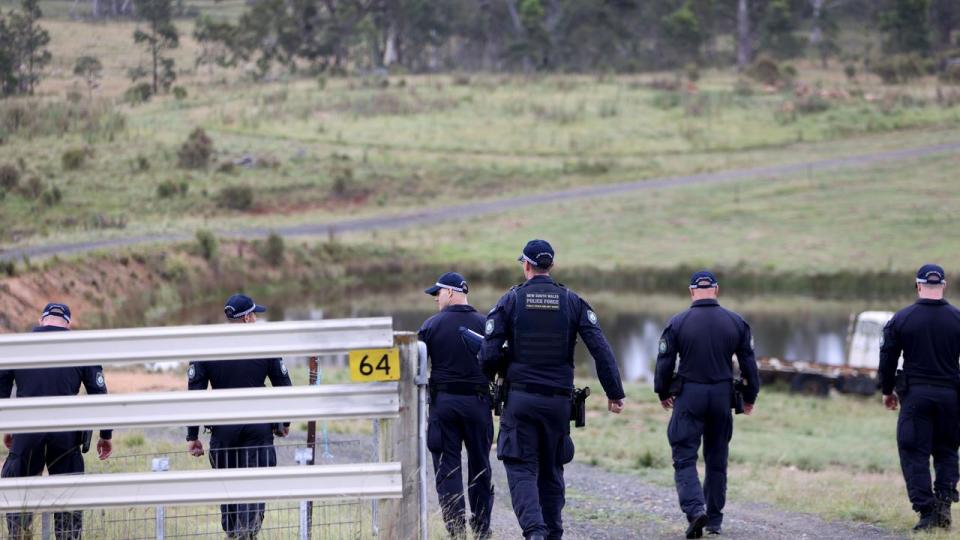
928 521
942 511
697 523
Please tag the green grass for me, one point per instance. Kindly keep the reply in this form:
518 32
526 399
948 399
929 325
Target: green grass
887 218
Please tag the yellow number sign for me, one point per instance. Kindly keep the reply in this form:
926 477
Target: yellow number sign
375 365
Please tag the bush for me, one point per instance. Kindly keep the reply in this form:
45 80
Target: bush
196 151
764 70
342 174
34 187
9 177
52 197
236 197
273 249
141 164
179 93
951 72
850 71
95 119
9 268
900 68
812 104
171 188
138 93
692 71
743 88
74 158
207 244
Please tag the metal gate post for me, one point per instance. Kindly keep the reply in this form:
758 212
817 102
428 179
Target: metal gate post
303 456
46 526
161 464
422 378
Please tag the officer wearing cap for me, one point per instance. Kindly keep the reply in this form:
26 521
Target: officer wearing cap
239 446
927 333
540 320
701 392
459 409
59 452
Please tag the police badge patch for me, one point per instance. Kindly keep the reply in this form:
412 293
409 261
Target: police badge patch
751 343
592 317
192 372
100 381
489 327
283 368
663 346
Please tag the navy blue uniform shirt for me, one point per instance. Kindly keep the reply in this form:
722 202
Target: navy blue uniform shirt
58 381
706 337
581 320
235 374
450 360
928 335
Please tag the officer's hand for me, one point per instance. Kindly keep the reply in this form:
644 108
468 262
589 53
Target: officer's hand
286 430
890 401
7 440
104 448
667 404
748 409
195 448
615 405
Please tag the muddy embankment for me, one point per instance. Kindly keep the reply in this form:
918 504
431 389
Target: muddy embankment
140 285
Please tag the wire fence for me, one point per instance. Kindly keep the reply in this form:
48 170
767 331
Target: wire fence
334 520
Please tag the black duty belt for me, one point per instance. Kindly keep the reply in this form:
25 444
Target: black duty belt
541 389
913 380
460 388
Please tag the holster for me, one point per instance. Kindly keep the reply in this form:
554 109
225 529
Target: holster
900 383
578 406
736 397
499 396
676 386
86 438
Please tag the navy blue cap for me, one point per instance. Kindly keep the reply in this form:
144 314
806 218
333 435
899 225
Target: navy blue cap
703 280
538 253
450 280
56 310
932 274
239 306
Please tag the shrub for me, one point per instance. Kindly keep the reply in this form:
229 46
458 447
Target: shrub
141 164
138 93
9 268
342 174
812 104
9 177
236 197
764 70
171 188
850 71
692 71
273 249
196 151
900 68
179 93
74 158
34 187
951 72
743 88
52 197
207 244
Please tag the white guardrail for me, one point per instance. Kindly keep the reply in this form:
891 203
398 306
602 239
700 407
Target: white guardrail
385 400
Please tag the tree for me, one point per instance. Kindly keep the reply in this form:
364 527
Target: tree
161 36
744 36
30 42
8 67
907 26
779 31
215 40
90 68
682 33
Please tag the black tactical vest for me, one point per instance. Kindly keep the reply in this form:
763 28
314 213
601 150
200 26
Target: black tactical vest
541 324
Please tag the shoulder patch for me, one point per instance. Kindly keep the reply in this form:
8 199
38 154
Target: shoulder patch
751 343
663 345
283 367
881 339
192 372
592 317
101 382
489 328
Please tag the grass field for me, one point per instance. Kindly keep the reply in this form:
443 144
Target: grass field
373 146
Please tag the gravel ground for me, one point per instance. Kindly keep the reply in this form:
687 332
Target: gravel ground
602 505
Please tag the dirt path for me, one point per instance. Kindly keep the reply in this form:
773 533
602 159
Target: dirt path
437 215
602 505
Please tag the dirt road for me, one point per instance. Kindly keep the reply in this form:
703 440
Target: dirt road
602 505
436 215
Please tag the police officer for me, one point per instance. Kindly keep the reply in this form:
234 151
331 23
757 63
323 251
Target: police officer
239 446
700 392
540 320
927 333
459 408
60 452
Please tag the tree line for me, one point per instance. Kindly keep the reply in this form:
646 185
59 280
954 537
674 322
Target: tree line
499 35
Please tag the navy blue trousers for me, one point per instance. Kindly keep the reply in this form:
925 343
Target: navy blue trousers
457 421
928 426
239 447
60 454
534 444
701 413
